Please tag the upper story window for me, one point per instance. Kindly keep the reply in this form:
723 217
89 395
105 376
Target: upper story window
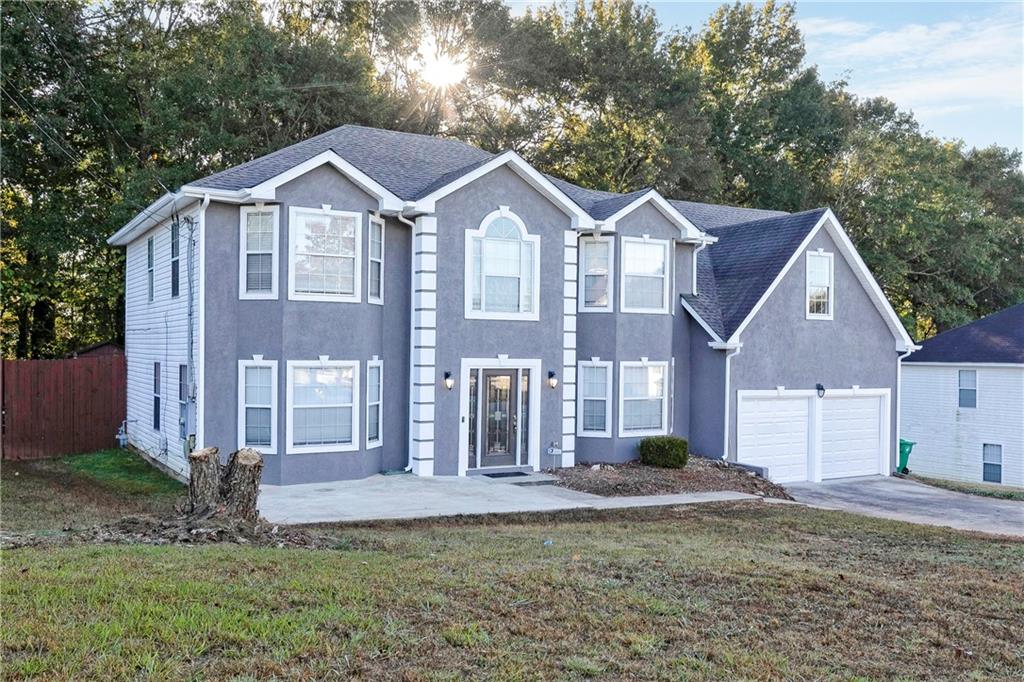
596 273
258 246
968 388
502 273
175 259
644 275
375 270
324 254
819 285
149 269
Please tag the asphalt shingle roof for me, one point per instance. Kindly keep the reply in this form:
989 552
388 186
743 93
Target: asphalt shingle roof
732 274
996 338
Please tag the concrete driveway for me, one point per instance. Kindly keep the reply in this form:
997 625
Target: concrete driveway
904 500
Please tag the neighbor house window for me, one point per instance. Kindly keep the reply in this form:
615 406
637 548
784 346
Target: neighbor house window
324 247
258 245
149 269
175 259
257 404
968 388
992 463
819 285
374 401
182 401
501 269
156 396
644 275
594 403
596 258
643 408
323 414
375 268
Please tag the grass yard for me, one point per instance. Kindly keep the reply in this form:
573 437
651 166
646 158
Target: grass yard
740 591
1003 492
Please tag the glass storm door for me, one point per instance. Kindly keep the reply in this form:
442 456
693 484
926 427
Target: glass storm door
500 418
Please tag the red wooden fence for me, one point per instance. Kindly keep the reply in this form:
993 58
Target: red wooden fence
60 407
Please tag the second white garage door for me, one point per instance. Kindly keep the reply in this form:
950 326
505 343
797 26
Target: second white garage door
797 436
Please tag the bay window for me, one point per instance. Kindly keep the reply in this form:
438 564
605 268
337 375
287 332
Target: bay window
502 269
324 262
375 270
596 273
593 404
374 402
257 404
643 403
645 265
323 413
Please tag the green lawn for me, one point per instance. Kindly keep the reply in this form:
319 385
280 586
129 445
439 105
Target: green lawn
1003 492
741 591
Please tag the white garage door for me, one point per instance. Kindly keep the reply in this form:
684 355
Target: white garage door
773 433
779 432
851 436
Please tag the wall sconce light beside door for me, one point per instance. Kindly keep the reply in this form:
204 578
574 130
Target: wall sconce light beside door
552 379
449 381
821 390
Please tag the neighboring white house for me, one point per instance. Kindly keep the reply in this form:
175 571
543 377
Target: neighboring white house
963 402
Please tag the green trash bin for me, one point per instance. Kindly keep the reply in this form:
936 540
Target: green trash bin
905 447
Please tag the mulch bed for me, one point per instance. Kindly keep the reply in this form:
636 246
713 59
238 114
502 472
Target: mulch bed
633 478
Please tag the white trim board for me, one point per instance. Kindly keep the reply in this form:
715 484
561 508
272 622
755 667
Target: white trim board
687 230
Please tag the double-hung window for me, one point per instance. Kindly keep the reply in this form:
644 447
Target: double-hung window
258 248
156 396
967 380
643 403
175 259
374 402
149 269
820 285
594 403
992 463
596 273
645 266
324 247
182 401
502 269
323 410
375 266
257 404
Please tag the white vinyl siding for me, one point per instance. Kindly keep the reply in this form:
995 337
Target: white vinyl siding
257 405
374 402
324 262
323 406
644 275
156 330
375 267
967 390
258 245
643 401
949 439
820 285
502 269
597 284
594 399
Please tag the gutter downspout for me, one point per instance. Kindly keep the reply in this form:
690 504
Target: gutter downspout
412 329
730 349
201 354
899 390
697 249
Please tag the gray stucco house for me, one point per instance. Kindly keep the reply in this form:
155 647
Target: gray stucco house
368 300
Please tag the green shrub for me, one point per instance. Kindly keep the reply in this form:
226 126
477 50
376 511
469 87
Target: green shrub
664 451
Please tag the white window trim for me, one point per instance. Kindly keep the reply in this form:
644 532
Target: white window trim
357 273
258 361
610 306
666 390
375 220
623 308
243 214
370 444
607 432
959 388
831 285
150 267
534 239
293 449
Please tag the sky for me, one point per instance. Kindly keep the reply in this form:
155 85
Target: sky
959 66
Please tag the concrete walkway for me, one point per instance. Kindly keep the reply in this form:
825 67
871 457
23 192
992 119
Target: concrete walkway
412 497
904 500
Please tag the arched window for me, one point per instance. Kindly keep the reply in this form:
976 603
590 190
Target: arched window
501 268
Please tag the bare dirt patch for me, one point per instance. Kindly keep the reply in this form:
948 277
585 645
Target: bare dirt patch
633 478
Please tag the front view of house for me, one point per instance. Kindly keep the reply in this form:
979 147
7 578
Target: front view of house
368 300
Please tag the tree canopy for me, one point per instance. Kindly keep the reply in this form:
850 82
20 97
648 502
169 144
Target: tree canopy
105 106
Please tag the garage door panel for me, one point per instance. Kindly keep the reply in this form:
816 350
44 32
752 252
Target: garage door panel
773 433
851 429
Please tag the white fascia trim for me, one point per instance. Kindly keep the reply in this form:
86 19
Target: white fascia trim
904 342
289 405
267 190
243 213
693 313
687 230
154 214
666 391
580 219
971 365
580 399
257 361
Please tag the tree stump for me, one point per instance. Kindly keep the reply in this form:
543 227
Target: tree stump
240 484
204 481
